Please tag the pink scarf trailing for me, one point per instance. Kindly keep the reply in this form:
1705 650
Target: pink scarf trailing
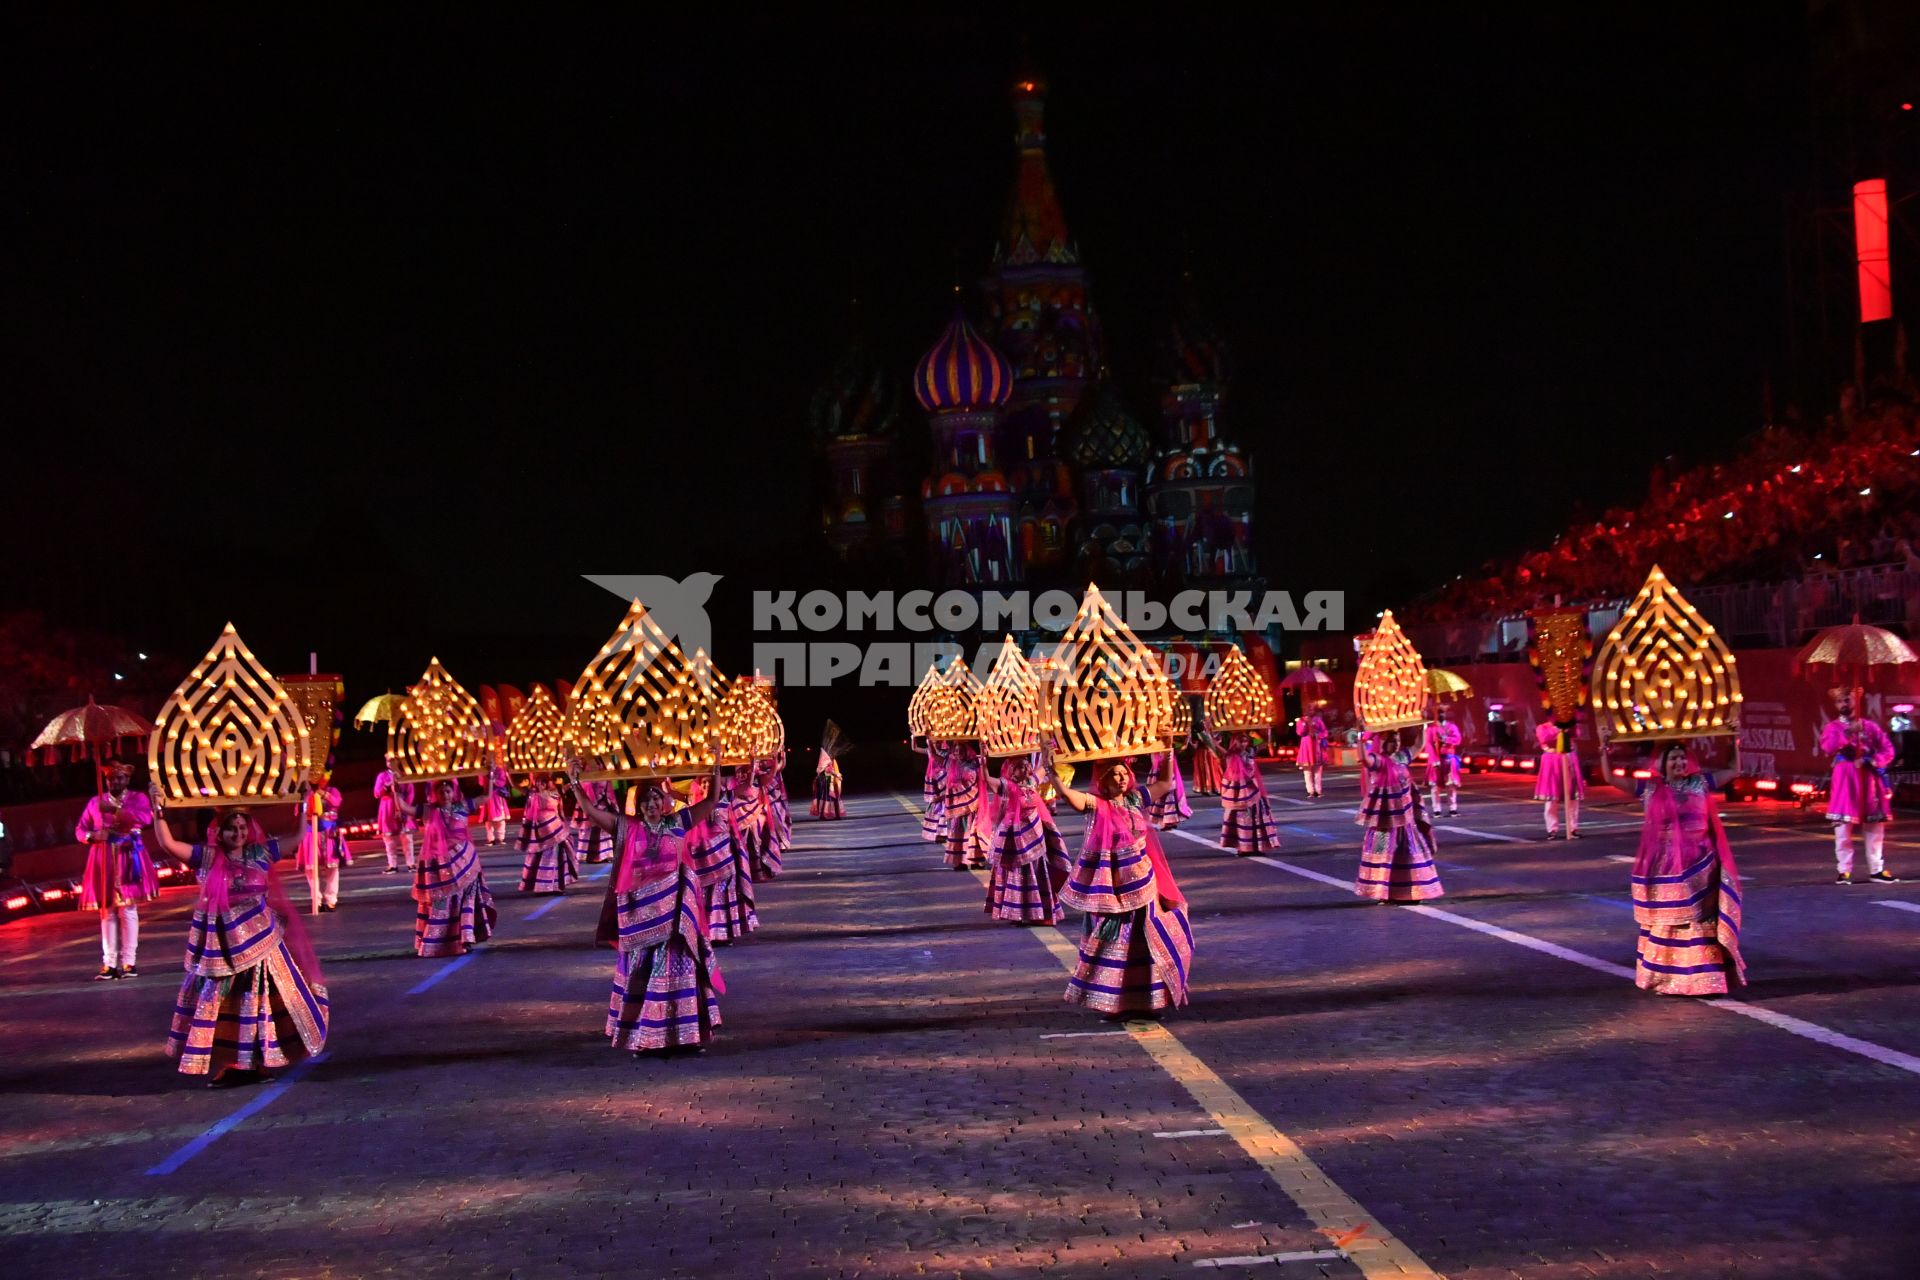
648 856
1663 811
1110 831
436 837
216 899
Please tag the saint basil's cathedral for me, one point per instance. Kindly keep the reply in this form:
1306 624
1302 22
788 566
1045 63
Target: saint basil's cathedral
1040 474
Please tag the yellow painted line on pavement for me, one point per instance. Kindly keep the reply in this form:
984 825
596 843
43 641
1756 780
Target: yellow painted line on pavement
1370 1247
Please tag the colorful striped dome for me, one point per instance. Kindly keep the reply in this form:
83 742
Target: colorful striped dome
962 371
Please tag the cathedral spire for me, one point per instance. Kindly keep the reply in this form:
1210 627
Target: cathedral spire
1036 229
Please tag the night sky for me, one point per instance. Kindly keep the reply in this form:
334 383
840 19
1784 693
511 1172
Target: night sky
372 334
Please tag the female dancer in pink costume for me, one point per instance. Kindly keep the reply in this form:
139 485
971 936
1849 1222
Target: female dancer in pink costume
779 813
254 998
120 874
1443 762
666 979
1857 793
1168 809
323 845
933 791
1396 844
763 849
396 828
547 864
589 841
1560 782
495 795
1206 773
453 908
720 857
1136 954
1686 888
1025 850
1246 825
960 847
1311 759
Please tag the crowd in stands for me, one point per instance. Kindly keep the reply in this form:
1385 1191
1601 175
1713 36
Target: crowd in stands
1790 501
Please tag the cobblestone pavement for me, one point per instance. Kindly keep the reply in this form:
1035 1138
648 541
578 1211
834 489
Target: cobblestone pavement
898 1089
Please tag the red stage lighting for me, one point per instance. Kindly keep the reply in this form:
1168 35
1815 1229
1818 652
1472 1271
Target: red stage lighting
1870 247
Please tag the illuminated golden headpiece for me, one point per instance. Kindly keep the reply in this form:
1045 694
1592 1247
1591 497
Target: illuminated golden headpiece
1182 726
1390 687
1664 672
438 731
317 698
1112 697
641 709
748 727
1558 653
920 706
1009 705
534 735
1238 699
230 734
967 689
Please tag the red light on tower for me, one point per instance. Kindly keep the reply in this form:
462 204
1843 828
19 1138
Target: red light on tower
1870 246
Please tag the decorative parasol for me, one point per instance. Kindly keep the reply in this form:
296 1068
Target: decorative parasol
384 709
1306 678
89 732
1444 684
1849 655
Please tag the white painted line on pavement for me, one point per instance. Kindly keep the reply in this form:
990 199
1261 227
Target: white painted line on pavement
1255 1259
1192 1133
1900 906
1619 857
1785 1022
1080 1035
1291 1169
1487 835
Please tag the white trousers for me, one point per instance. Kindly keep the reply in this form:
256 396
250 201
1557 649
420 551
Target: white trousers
396 843
119 937
323 883
1553 814
497 832
1876 833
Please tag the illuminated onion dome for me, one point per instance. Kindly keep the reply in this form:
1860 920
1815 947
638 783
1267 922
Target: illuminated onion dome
962 371
1105 436
859 398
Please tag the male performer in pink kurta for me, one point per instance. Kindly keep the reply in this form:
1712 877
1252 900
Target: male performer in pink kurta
322 849
1443 763
396 827
1857 794
120 873
495 787
1559 782
1311 758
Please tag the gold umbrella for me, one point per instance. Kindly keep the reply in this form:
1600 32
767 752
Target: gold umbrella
1852 653
1444 684
92 730
381 710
